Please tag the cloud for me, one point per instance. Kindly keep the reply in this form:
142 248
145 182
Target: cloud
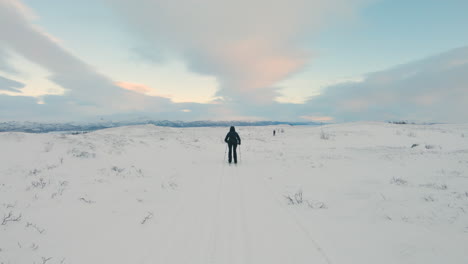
432 89
248 45
21 36
5 66
136 87
87 92
10 85
318 118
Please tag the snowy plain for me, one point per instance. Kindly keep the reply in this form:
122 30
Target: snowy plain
344 193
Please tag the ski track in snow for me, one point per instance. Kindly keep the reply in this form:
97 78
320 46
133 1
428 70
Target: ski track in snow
349 193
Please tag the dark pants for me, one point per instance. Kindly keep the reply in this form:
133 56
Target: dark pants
232 147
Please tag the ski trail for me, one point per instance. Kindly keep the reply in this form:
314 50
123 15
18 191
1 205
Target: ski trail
298 222
230 217
184 235
230 237
276 237
216 214
244 226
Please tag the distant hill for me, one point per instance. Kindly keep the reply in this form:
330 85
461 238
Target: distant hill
38 127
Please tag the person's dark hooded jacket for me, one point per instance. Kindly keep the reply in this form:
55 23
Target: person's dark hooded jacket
232 137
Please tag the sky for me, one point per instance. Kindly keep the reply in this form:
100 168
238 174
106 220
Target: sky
295 60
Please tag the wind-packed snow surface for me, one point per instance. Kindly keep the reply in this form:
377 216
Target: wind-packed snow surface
349 193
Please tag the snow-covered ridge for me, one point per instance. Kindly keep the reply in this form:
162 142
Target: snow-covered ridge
38 127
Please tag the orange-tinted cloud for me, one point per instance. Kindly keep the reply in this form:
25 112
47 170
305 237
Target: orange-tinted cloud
136 87
318 118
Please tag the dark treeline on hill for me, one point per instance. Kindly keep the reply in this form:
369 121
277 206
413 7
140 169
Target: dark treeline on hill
37 127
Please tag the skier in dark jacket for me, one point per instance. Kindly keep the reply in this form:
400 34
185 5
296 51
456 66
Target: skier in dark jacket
232 139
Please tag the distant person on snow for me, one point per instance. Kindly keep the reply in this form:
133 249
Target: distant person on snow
232 139
274 132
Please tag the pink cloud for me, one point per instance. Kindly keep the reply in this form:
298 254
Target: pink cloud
318 118
248 53
136 87
256 64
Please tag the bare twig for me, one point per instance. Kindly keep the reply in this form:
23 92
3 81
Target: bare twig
10 218
44 260
38 229
290 200
34 246
147 217
86 201
316 205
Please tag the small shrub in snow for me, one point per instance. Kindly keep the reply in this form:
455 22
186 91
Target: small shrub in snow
295 198
398 181
428 198
48 146
298 197
324 136
34 172
61 189
39 184
169 184
117 169
435 186
82 154
414 145
430 147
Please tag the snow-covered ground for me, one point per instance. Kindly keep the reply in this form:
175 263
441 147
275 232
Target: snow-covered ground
347 193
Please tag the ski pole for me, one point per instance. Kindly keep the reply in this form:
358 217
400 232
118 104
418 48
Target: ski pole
225 150
240 153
